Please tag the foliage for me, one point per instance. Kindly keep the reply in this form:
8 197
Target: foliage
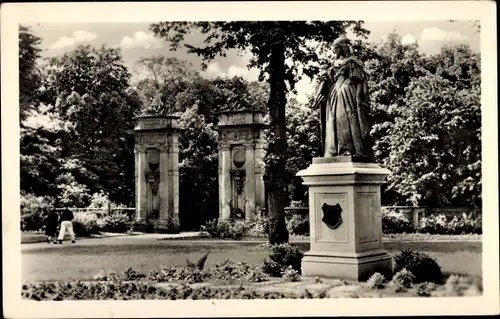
435 142
77 290
89 89
303 143
298 225
198 173
441 224
225 271
99 200
86 223
425 289
175 274
33 211
39 152
281 257
375 281
163 82
230 271
423 267
115 222
402 279
29 73
225 229
459 286
290 275
257 226
131 274
71 192
394 222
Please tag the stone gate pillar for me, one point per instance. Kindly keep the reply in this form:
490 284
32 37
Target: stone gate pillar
241 184
157 171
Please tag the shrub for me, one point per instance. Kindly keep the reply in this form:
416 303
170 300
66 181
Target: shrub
225 229
33 211
229 270
403 279
437 224
115 223
76 290
172 274
423 267
72 193
465 224
86 223
290 274
395 222
425 289
281 257
460 286
99 200
298 225
131 274
258 226
440 224
237 230
375 281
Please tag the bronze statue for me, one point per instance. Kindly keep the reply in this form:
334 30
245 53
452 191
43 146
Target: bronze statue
342 97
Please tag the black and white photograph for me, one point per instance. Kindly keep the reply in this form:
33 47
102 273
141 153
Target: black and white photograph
337 157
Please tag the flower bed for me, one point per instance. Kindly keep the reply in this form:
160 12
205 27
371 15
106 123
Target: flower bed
278 277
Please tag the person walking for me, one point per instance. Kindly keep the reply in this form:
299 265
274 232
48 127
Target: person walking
66 226
51 223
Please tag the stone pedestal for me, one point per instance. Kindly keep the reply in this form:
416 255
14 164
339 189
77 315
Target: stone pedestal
157 172
345 219
241 184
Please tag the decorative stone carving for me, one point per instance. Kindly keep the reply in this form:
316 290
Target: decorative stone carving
332 215
157 182
241 188
239 177
153 178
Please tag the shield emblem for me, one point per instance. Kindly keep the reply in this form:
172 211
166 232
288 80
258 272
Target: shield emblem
331 215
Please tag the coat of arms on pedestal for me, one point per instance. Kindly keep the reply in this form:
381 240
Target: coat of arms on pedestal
331 215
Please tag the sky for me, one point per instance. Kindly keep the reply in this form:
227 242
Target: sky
136 41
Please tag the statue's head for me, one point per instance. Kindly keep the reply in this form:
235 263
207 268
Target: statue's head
341 46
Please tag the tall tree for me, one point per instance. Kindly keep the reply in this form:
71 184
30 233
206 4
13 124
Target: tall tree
90 88
435 142
29 75
283 51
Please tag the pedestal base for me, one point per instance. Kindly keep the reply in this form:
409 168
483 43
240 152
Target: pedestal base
357 267
345 219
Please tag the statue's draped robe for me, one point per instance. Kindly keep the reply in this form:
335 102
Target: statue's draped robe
344 111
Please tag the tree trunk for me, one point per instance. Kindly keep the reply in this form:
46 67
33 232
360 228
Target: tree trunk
275 157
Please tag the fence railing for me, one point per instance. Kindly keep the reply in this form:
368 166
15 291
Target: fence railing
413 214
130 211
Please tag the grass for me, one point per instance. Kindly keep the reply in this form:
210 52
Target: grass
85 259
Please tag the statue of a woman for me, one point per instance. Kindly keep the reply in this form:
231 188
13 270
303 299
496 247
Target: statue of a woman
342 97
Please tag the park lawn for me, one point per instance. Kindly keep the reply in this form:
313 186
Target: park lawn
78 261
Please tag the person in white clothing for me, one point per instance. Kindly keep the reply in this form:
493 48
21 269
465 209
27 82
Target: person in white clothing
66 226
